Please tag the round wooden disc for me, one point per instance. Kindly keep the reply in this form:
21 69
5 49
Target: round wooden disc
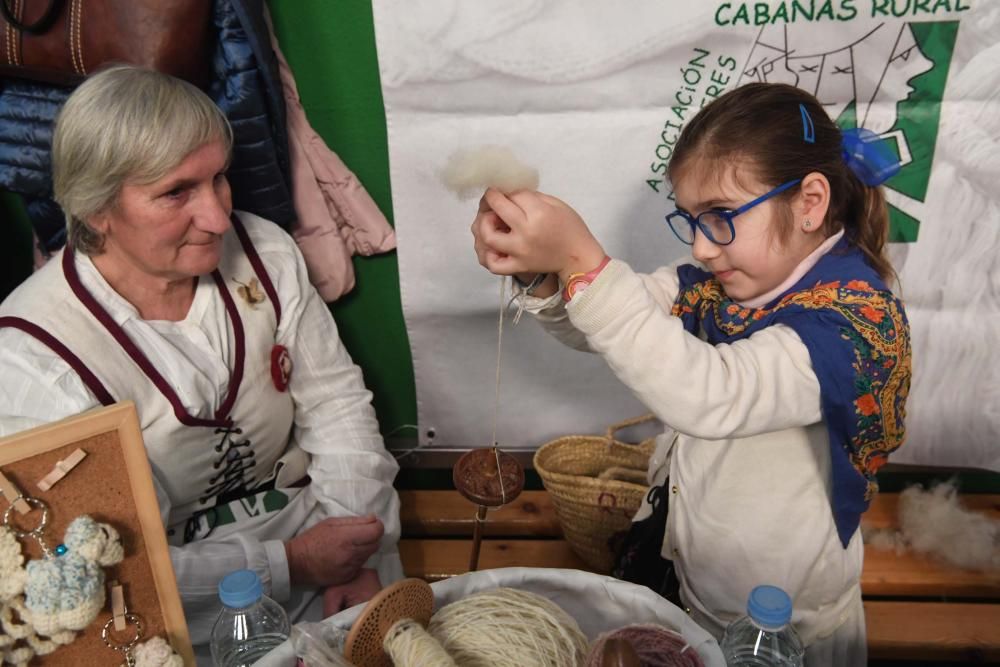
475 476
409 598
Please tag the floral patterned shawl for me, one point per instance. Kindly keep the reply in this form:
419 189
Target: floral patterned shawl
858 339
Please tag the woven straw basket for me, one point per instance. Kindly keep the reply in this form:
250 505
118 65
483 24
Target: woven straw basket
596 484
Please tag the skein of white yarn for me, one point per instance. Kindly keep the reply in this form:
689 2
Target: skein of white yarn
409 645
506 627
503 627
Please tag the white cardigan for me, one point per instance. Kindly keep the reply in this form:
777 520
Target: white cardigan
746 451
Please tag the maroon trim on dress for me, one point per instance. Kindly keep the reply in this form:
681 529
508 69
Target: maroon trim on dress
237 376
93 384
141 360
258 266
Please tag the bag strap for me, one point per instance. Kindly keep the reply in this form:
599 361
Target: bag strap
624 474
39 26
610 433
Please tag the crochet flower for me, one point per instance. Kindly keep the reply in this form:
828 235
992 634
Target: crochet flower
157 653
66 592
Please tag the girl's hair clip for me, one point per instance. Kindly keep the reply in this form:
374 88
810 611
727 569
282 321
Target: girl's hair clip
808 130
868 156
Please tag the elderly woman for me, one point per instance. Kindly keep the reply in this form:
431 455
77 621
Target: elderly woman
263 442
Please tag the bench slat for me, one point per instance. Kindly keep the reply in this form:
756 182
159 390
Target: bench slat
439 559
909 575
885 574
950 631
531 514
448 514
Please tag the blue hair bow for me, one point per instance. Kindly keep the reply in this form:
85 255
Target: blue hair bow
868 156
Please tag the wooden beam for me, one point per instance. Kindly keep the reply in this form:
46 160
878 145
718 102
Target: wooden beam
953 631
439 559
885 574
532 514
448 514
911 575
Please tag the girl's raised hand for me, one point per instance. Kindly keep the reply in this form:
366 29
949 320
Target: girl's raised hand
530 232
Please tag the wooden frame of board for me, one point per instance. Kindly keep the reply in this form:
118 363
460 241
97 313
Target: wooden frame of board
113 484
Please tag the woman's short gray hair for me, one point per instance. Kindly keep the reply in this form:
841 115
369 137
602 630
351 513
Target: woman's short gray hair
124 124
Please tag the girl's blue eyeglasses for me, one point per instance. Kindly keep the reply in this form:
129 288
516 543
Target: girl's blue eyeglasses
717 223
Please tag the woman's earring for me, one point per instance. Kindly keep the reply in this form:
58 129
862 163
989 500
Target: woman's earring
807 224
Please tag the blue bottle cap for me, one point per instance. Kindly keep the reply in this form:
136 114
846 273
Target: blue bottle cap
770 607
240 589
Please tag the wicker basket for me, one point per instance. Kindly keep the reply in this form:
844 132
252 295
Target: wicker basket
596 484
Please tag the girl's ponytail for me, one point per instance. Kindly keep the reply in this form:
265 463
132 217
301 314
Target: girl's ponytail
867 226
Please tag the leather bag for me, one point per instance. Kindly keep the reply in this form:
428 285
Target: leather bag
63 41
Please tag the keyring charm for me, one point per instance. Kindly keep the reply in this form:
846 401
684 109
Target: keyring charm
36 532
125 648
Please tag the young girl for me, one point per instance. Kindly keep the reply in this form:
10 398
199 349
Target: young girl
780 365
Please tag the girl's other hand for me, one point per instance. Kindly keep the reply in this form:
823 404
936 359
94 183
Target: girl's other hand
530 232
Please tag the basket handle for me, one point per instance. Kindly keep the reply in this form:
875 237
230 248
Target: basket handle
610 433
623 474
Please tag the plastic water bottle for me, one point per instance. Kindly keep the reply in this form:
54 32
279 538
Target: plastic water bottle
250 623
763 637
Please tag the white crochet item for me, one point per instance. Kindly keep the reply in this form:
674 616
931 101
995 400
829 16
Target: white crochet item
19 641
12 574
66 592
156 653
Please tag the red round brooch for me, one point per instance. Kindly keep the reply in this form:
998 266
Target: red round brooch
281 367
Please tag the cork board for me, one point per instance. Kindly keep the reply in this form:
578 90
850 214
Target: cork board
114 485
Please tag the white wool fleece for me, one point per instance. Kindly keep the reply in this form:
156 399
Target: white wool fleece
934 522
470 171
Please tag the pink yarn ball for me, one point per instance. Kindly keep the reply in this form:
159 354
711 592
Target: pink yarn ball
655 645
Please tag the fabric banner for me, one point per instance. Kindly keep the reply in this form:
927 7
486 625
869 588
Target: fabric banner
594 96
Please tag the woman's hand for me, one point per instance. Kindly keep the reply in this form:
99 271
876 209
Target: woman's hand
343 596
527 233
333 551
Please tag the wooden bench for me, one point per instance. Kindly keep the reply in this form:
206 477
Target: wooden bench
916 608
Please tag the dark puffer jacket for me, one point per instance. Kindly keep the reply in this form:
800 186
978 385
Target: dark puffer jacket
246 86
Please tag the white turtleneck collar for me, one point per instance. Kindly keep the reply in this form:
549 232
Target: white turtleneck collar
794 276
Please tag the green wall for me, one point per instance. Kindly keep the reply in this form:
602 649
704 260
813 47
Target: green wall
330 47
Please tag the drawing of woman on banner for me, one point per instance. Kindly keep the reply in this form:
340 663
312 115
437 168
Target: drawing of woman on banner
886 77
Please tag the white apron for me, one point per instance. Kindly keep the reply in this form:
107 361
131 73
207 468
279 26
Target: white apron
227 471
